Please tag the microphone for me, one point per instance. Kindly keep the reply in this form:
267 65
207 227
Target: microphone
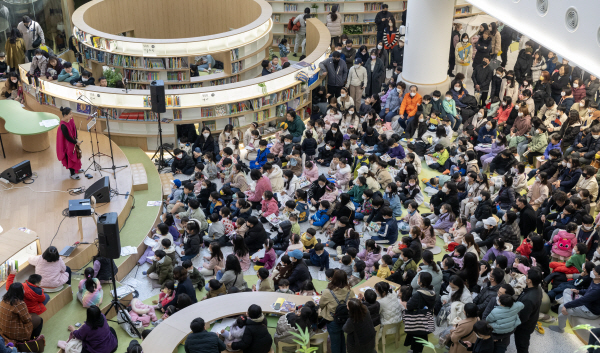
92 116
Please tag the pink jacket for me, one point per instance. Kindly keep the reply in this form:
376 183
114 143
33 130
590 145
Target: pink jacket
415 220
53 273
269 207
311 174
142 312
563 243
214 262
369 259
330 195
343 176
244 262
277 148
330 119
263 184
165 299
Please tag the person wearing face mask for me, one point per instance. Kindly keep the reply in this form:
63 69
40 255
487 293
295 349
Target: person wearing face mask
578 88
587 182
410 104
11 87
375 74
15 49
566 98
397 58
39 63
391 36
459 91
560 81
522 67
86 79
393 102
182 163
538 144
482 77
226 136
205 142
31 31
590 145
357 80
422 301
463 54
381 20
349 52
336 71
570 129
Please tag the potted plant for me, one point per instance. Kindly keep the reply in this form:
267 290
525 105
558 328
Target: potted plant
315 8
303 340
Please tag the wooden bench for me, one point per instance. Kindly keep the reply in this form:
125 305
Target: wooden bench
165 182
139 177
57 301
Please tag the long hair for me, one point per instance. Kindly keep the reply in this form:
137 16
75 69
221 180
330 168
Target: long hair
233 264
333 13
356 310
240 249
14 294
428 258
14 34
339 280
90 284
457 281
216 251
94 317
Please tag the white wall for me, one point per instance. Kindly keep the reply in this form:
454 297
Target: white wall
580 47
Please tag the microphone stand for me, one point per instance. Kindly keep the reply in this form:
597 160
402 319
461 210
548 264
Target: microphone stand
112 157
95 166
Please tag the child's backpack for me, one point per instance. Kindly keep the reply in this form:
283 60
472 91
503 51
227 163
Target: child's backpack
340 315
293 27
563 244
302 209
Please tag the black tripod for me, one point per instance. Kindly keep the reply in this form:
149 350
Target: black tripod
160 162
116 304
112 157
95 166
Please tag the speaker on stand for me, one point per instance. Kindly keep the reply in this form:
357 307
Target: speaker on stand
109 246
159 105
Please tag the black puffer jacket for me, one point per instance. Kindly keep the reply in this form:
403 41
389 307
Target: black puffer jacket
205 144
186 164
256 338
488 292
483 210
523 66
192 244
300 274
204 342
255 238
309 146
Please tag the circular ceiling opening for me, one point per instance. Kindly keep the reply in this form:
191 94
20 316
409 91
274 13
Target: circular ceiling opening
571 19
542 7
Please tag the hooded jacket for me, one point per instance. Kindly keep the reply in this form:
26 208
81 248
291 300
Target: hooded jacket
34 296
255 238
185 164
163 268
487 293
504 319
256 338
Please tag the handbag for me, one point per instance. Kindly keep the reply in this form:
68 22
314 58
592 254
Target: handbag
74 346
36 345
419 321
37 41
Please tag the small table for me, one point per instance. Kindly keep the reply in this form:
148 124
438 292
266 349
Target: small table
18 121
371 282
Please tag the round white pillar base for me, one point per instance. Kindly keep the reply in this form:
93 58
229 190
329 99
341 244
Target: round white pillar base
428 88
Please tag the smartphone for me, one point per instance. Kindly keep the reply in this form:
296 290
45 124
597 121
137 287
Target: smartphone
462 343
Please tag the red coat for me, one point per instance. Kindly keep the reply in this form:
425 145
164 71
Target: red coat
33 300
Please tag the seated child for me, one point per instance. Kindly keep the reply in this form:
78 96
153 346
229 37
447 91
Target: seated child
388 232
216 288
317 256
384 268
264 283
441 157
321 217
309 239
268 261
347 265
302 208
166 295
261 155
308 290
193 274
284 287
235 333
311 171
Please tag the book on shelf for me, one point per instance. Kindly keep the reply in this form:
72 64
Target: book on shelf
462 10
373 6
237 67
281 110
211 124
177 76
290 7
350 18
235 54
135 116
170 101
276 17
83 108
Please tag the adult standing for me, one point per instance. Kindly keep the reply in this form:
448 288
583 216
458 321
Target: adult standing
336 71
52 268
391 37
417 322
67 143
560 80
334 24
531 297
357 79
381 20
359 328
463 330
301 33
375 74
483 45
538 65
202 341
482 77
542 90
337 292
496 40
31 31
16 323
95 334
463 54
15 49
454 40
523 65
506 35
296 126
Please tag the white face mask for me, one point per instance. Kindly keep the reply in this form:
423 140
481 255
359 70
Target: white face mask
179 156
465 40
562 94
373 57
564 164
206 134
38 57
593 275
344 41
380 47
457 89
421 120
538 179
499 75
448 98
339 50
467 179
412 94
343 95
328 148
83 79
334 131
351 112
525 83
444 189
504 104
520 114
489 127
227 134
595 137
569 165
357 65
480 114
364 197
435 99
575 85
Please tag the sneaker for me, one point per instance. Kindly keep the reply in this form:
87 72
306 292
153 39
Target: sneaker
313 209
75 177
555 328
560 301
446 172
539 328
144 273
554 308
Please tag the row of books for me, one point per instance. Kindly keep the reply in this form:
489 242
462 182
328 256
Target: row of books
350 18
290 7
170 100
224 81
45 99
6 267
462 10
178 76
276 18
237 67
188 85
96 42
373 6
136 75
133 61
366 40
291 41
235 54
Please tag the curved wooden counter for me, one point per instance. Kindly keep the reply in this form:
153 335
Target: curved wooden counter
167 336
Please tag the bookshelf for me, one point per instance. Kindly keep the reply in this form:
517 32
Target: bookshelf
358 14
464 9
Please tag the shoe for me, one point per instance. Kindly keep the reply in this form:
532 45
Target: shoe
356 222
446 172
560 301
313 209
295 54
451 75
75 177
545 286
80 171
539 328
144 273
554 308
555 328
547 318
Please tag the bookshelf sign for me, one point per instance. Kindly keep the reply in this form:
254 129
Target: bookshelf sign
207 98
149 49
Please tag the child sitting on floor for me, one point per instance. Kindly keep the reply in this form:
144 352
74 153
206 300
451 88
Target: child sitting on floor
235 333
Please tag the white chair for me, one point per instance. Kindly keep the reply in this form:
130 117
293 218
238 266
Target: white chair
383 332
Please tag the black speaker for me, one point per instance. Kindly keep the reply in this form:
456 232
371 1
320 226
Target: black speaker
157 96
17 173
109 241
100 190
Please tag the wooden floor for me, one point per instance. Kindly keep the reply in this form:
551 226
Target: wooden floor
42 211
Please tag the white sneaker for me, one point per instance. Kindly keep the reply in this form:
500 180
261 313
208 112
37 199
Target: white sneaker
426 204
560 301
313 209
75 177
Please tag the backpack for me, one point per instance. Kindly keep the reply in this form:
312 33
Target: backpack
340 315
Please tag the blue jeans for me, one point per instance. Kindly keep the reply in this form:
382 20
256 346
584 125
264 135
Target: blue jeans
297 139
388 117
359 216
218 277
454 121
338 341
557 293
47 299
187 257
500 213
531 174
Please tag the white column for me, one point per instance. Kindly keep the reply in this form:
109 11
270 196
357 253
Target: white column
427 43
